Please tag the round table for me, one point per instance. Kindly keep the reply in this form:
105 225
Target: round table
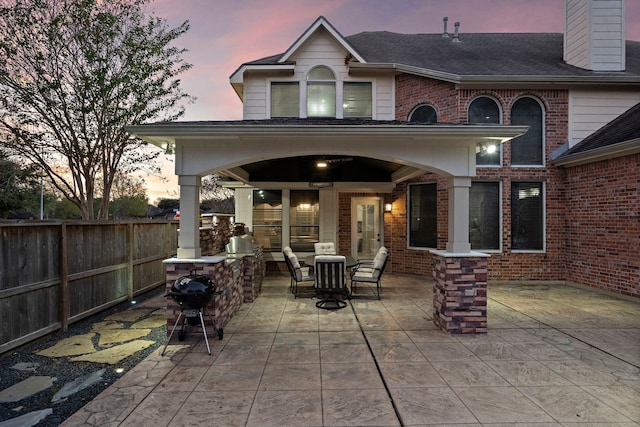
350 261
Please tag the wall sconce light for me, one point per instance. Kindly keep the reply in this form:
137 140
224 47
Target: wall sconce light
387 207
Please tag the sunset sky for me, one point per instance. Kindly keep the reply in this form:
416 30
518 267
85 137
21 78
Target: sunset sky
226 33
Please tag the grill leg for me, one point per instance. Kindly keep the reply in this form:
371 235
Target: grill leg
204 331
171 334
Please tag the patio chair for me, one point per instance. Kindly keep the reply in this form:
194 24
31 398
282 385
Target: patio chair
370 272
286 252
326 248
331 281
298 274
368 262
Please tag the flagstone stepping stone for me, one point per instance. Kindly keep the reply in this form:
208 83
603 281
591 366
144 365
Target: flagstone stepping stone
77 385
103 326
115 354
26 388
26 366
154 321
128 315
28 419
72 346
113 336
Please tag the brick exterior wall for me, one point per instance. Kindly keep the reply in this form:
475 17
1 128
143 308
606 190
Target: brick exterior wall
451 105
603 243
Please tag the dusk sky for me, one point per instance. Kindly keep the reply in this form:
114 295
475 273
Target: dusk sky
226 33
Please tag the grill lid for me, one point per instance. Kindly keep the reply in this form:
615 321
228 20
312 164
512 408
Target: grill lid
193 291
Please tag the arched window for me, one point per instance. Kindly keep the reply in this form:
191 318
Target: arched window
486 110
424 114
527 149
321 92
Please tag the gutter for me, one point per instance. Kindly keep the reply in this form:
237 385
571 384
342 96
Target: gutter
598 154
505 79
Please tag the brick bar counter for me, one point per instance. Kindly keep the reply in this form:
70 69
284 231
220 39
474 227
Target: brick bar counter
460 292
227 275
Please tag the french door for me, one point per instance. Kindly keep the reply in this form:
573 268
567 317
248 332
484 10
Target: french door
366 226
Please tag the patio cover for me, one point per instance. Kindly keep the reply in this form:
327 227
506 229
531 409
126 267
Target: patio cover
223 147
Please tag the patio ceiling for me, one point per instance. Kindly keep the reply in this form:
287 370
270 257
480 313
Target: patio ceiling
306 169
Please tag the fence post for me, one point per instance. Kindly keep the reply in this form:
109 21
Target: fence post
130 254
65 309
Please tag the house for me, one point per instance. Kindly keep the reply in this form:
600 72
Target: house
519 151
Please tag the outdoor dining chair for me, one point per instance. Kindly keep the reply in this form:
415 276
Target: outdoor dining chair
331 281
370 272
298 274
324 248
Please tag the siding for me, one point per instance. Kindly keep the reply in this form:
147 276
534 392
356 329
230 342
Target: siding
595 37
589 110
319 49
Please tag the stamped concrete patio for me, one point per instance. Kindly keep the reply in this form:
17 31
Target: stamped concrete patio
555 355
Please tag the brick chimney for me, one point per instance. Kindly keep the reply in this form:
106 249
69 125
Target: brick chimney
594 34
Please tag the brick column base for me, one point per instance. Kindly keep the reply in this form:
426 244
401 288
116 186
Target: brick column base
460 292
223 306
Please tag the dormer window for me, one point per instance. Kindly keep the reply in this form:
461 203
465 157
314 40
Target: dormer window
285 99
321 92
357 101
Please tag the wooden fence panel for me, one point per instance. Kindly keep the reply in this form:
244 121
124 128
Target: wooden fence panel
53 274
27 257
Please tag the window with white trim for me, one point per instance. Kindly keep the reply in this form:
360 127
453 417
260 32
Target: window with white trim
304 218
486 110
423 215
285 99
267 218
527 149
484 215
321 92
357 100
527 216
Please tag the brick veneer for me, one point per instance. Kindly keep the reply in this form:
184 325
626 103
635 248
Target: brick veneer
451 105
460 293
603 242
223 306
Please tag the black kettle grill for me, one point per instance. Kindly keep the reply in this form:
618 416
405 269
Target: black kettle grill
193 293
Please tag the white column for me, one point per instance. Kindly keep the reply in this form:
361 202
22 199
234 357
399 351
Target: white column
189 237
458 236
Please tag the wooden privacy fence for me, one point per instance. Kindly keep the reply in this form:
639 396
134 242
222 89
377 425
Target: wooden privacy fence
55 273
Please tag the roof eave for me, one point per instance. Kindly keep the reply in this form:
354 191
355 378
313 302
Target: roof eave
237 78
598 154
166 133
471 80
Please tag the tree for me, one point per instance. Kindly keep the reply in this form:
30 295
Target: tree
215 197
73 73
19 187
129 197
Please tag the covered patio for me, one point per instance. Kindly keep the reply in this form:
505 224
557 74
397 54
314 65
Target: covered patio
553 355
233 149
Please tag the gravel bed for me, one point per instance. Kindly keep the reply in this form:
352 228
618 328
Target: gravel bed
66 371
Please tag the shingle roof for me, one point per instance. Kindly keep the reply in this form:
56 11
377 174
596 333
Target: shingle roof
477 54
624 128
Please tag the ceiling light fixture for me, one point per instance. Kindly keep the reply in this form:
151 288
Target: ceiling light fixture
321 164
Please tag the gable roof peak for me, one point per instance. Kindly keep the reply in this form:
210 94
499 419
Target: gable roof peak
320 22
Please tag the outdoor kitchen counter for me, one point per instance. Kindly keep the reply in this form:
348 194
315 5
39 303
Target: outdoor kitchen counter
227 278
